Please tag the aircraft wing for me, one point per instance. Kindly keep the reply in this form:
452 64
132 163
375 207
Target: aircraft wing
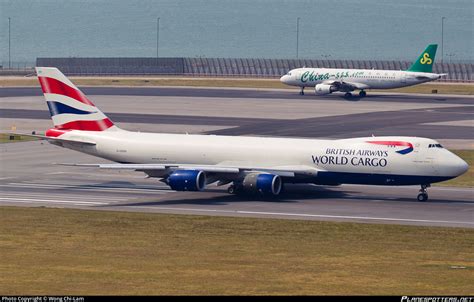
346 86
163 170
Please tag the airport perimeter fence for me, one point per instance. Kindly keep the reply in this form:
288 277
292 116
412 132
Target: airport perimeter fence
237 67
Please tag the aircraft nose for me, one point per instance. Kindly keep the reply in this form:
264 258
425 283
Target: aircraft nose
284 79
463 167
459 166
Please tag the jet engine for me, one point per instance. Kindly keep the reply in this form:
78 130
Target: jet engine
187 180
321 89
264 183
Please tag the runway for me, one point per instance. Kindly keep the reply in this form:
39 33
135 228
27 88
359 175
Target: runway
30 178
230 112
232 93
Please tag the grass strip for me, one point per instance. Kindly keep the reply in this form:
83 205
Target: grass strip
80 252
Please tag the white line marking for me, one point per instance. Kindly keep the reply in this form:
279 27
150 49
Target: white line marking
98 174
151 188
47 195
85 185
53 201
460 189
305 215
41 202
88 188
452 189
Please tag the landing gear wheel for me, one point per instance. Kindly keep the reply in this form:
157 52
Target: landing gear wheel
362 93
348 94
231 189
302 91
422 197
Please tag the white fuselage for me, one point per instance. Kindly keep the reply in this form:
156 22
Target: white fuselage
365 78
337 161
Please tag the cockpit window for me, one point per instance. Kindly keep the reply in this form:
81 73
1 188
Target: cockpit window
289 73
435 146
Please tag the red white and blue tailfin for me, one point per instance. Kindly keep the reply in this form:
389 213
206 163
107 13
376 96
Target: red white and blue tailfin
70 109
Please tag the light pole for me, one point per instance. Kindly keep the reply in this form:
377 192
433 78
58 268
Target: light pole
157 35
9 45
442 38
297 35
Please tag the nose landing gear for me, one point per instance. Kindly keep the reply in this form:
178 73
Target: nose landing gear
302 91
423 196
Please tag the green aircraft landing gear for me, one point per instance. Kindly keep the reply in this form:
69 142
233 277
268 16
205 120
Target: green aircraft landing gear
362 93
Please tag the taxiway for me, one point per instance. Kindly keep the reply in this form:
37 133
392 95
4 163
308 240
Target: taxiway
29 176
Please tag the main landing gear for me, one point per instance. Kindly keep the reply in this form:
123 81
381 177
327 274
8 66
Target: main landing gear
423 196
232 189
302 91
362 94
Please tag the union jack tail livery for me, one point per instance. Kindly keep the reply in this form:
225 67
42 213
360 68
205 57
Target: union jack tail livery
70 109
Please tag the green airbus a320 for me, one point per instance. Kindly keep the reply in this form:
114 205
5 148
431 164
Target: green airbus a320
329 80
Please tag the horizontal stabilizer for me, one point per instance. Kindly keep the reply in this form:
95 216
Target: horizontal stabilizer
55 139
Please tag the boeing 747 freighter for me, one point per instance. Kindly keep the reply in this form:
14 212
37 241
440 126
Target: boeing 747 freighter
259 165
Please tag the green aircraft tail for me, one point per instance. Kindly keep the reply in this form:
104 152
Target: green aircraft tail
425 61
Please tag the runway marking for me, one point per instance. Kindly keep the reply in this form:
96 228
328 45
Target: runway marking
141 188
24 195
88 188
51 201
453 189
460 189
41 202
306 215
100 174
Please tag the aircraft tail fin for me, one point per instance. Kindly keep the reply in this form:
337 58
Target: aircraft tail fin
425 61
70 109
